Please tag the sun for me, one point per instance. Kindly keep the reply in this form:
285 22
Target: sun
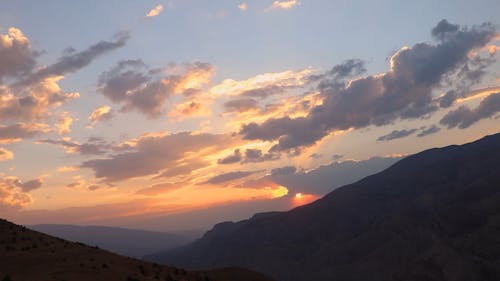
298 195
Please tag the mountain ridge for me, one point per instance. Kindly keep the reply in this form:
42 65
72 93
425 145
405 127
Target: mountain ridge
398 224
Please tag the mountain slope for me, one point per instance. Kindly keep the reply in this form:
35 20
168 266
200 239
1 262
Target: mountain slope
431 216
26 255
128 242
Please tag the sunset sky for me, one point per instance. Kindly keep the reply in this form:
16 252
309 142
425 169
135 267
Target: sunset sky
114 112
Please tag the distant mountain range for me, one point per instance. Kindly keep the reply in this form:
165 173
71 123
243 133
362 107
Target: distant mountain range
27 255
128 242
433 216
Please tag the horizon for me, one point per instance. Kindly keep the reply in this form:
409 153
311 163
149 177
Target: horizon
175 115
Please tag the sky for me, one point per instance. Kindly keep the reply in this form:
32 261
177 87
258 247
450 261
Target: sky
179 114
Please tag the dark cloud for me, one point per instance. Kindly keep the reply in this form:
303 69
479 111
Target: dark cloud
89 148
227 177
19 131
231 159
256 156
404 92
335 78
325 178
397 134
30 185
16 56
135 86
241 105
428 131
463 117
288 170
250 156
153 154
264 92
444 29
75 61
93 187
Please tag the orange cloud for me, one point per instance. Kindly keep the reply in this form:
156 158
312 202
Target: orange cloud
189 109
64 123
283 5
102 113
5 154
155 11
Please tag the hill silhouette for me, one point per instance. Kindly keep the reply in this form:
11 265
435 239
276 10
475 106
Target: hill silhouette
123 241
27 255
432 216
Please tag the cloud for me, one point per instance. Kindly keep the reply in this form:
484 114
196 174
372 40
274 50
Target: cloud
243 6
159 189
397 134
33 101
189 109
16 56
157 154
288 170
135 86
463 117
5 154
93 187
100 114
73 62
19 131
236 157
227 177
323 179
30 185
155 11
241 105
63 124
185 168
34 90
256 156
14 192
263 85
428 131
283 5
444 29
250 156
403 92
72 147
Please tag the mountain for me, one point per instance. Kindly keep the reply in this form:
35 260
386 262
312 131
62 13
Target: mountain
433 216
27 255
128 242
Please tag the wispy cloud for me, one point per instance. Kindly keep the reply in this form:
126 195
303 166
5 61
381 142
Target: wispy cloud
155 11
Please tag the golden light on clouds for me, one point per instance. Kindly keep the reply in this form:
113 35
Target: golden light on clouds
283 5
5 154
155 11
481 93
289 78
63 125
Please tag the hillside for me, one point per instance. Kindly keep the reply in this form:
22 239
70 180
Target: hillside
433 216
127 242
27 255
